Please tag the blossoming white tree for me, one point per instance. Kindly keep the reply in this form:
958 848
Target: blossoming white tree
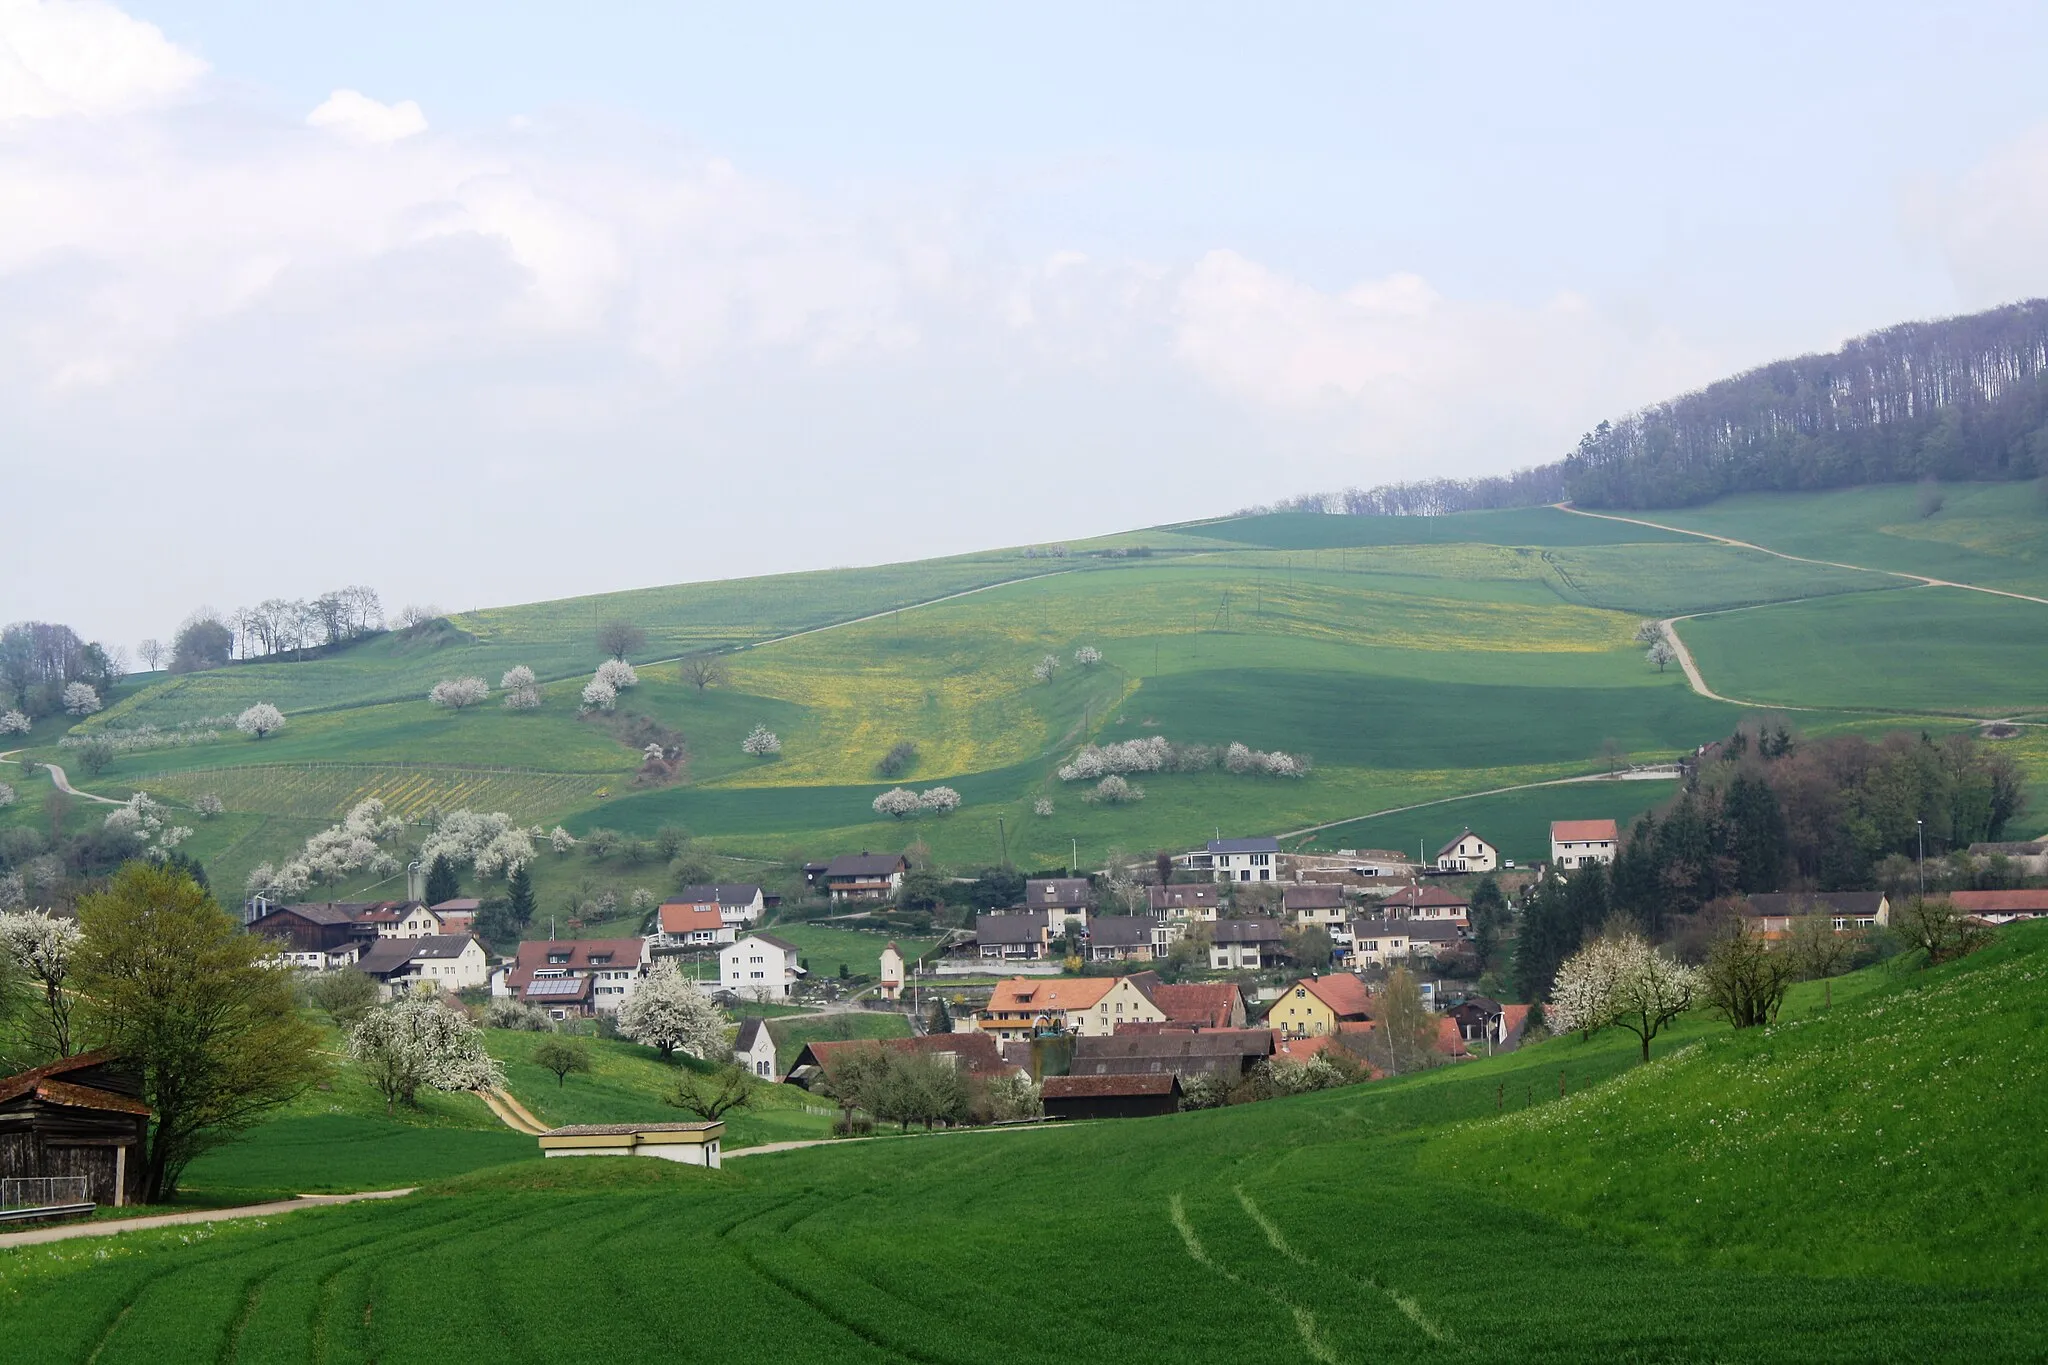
1044 669
561 840
939 800
521 688
1087 656
41 947
335 853
14 723
599 695
457 693
260 720
491 843
1621 982
417 1042
619 674
1151 754
208 805
1042 806
1115 790
1661 654
897 802
761 742
80 699
145 819
668 1012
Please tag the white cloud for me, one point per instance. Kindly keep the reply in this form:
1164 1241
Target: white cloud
82 57
1991 224
532 335
356 116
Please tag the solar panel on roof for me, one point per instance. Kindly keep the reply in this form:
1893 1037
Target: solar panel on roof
567 986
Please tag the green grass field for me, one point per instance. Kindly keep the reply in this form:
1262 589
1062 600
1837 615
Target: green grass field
860 950
1858 1183
1414 658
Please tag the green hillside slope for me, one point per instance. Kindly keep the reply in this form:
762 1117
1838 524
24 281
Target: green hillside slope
1414 659
1710 1206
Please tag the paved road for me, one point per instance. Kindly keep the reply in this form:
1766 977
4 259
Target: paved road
1659 773
34 1236
63 783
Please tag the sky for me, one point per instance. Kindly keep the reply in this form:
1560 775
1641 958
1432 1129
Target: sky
489 303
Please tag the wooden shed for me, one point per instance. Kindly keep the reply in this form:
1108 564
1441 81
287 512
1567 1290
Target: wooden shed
80 1117
1110 1097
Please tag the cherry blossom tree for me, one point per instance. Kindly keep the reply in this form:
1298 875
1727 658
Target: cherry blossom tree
14 723
599 695
417 1043
561 840
521 688
457 693
1087 656
897 802
1115 790
668 1012
260 720
939 800
335 853
80 699
761 742
1042 806
1044 669
145 819
1621 982
490 843
208 805
1661 654
618 673
41 946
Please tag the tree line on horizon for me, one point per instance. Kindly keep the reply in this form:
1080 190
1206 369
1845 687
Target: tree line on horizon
1963 398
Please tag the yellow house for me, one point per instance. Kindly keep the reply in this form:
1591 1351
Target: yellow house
1123 1003
1315 1005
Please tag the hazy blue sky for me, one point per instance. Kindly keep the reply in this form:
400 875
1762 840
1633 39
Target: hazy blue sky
480 303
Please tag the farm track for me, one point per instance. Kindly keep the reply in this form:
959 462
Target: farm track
1669 625
37 1236
1634 775
63 783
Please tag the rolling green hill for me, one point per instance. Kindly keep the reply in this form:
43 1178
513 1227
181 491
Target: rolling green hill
1414 659
1861 1182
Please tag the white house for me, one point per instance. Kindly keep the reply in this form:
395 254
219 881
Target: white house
1581 843
738 903
575 977
692 1144
754 1050
1236 860
892 972
1467 853
451 962
760 967
1063 899
684 924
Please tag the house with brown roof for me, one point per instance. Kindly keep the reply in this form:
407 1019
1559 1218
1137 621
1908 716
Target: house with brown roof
1201 1004
2030 856
1195 902
1062 899
864 876
450 962
1245 944
81 1118
1467 853
1132 938
1317 1004
1427 903
1773 914
1228 1053
1110 1097
575 977
683 925
1316 903
1024 1007
315 936
974 1053
1581 843
2001 907
1015 936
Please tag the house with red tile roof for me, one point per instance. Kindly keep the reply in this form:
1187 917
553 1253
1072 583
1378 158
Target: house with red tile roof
1201 1004
2001 907
1581 843
693 924
569 977
1318 1004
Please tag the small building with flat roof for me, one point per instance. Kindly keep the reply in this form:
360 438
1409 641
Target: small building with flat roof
691 1144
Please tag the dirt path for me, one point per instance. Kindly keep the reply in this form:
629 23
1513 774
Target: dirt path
63 783
511 1112
1697 680
1660 773
35 1236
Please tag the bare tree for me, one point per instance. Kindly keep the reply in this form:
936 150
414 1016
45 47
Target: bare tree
712 1095
704 670
153 653
1822 951
415 614
620 638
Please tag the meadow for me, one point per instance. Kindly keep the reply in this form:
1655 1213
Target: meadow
1805 1194
1413 658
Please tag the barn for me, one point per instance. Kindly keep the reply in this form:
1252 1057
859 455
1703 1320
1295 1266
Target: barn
1111 1097
81 1117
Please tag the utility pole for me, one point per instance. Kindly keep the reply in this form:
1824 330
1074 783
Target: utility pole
1920 868
1074 868
1003 834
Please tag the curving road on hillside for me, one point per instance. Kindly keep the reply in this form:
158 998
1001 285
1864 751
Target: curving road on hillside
1669 625
63 783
